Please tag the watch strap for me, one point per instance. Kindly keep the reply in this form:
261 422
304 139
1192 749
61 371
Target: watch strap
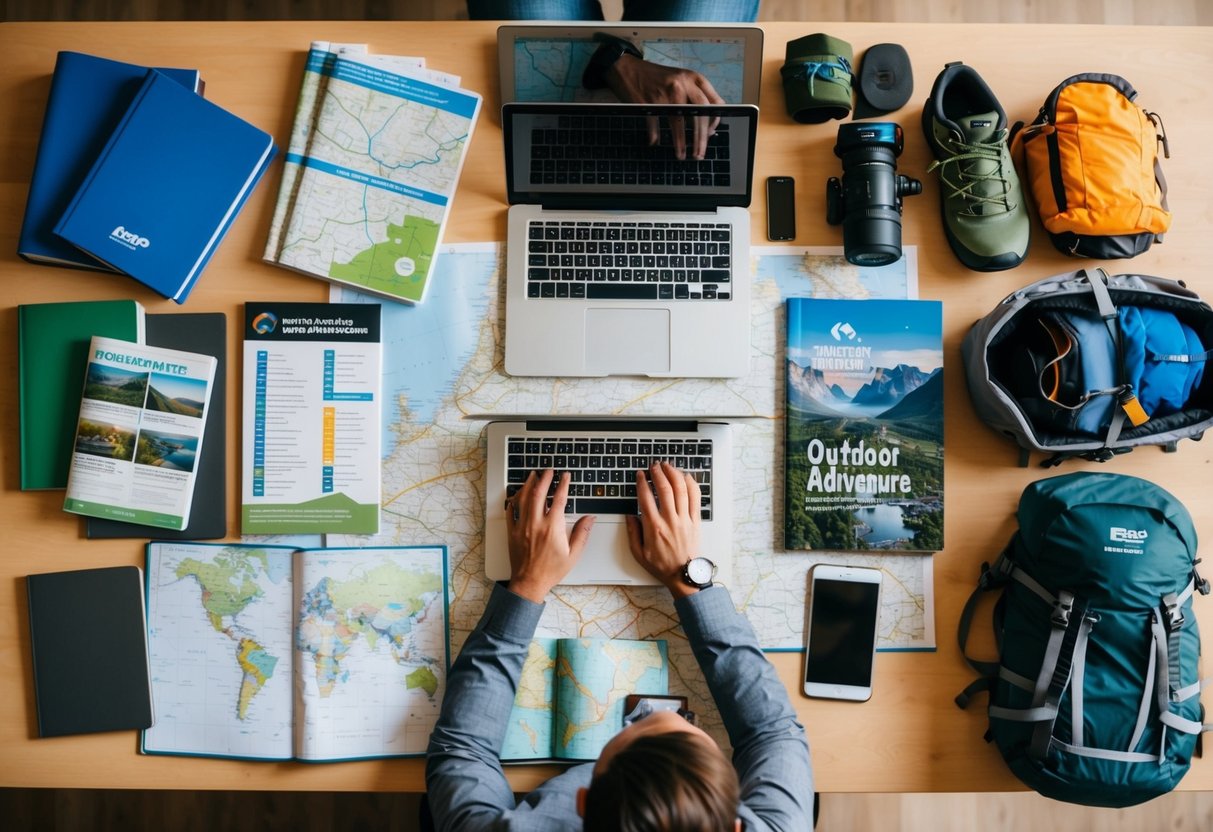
611 50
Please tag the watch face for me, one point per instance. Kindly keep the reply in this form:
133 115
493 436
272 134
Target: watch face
700 571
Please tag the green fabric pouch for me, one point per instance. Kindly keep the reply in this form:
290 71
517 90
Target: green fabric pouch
817 78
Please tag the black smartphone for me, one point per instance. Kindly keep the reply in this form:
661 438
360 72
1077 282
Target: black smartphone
781 208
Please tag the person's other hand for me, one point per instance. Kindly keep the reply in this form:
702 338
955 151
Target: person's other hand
638 81
666 534
541 551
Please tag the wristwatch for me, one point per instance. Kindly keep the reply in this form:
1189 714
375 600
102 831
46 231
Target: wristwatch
612 49
699 572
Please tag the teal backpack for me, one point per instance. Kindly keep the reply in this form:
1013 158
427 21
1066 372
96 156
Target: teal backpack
1095 698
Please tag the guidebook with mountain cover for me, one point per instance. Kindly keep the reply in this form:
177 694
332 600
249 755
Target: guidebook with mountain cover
864 426
139 433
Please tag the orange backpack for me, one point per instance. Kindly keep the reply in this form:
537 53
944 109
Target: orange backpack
1091 164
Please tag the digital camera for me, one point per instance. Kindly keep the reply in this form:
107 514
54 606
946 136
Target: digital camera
867 200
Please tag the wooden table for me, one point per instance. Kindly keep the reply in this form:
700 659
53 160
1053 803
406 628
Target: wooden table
910 737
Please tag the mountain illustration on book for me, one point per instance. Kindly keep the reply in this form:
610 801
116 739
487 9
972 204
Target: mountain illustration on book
864 428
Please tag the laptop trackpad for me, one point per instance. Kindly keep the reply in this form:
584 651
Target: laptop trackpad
627 341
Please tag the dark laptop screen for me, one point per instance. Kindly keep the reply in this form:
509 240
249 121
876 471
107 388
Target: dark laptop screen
601 156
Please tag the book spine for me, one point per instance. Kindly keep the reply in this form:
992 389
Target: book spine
311 93
221 229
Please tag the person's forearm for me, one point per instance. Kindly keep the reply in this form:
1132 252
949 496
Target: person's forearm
770 751
467 786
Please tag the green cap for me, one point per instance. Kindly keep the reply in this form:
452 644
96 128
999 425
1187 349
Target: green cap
817 78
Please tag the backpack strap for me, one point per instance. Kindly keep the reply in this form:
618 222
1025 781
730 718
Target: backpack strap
1126 400
1072 623
991 578
1165 624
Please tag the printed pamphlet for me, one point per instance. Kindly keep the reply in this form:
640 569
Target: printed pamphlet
139 434
570 695
864 426
277 653
311 428
376 151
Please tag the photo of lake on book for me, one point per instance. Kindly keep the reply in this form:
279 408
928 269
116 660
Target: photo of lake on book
174 394
105 439
864 426
167 450
113 384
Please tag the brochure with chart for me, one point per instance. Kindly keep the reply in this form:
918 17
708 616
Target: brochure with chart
139 433
277 653
864 426
570 696
311 428
376 152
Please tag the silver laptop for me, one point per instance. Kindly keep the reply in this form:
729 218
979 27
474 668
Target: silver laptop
602 457
545 61
621 258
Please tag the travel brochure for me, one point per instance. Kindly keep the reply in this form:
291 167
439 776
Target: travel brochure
375 154
139 433
312 411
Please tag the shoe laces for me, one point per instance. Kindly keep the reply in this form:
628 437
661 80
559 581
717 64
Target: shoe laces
964 176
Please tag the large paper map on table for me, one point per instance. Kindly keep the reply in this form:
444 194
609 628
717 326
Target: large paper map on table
443 362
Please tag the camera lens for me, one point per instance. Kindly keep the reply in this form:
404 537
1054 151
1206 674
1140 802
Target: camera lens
867 201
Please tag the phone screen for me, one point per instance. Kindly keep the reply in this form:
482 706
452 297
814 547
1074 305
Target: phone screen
781 208
842 632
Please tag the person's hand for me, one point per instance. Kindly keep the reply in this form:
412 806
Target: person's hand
666 534
541 551
643 82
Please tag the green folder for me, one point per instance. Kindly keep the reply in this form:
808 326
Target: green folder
52 353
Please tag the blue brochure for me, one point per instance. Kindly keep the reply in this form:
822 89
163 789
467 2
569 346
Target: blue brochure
167 186
87 99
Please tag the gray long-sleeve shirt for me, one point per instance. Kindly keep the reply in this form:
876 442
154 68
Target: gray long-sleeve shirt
467 786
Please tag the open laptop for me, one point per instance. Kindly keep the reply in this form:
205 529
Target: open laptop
545 61
602 457
621 258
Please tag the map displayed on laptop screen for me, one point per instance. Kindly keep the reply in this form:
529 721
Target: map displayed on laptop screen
443 361
550 69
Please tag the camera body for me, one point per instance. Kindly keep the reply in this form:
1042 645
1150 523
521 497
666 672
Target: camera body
867 200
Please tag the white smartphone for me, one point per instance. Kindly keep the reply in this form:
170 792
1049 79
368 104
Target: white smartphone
840 635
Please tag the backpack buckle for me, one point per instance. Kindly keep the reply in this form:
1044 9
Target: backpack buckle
995 574
1173 616
1062 608
1201 584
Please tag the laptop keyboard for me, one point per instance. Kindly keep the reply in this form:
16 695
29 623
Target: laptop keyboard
609 260
614 150
603 471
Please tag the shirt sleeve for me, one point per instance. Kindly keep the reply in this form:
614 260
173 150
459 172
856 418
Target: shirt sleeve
770 751
466 784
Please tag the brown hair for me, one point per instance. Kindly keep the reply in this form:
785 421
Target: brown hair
673 782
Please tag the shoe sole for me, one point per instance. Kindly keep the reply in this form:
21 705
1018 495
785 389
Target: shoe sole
970 260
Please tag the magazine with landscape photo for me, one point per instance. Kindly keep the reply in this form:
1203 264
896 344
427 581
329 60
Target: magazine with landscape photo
139 433
864 426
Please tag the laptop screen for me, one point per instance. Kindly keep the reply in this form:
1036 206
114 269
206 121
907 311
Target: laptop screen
602 156
546 62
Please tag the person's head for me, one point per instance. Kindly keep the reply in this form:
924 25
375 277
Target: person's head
661 774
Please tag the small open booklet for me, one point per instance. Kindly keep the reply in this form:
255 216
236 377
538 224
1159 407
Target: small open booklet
570 696
277 653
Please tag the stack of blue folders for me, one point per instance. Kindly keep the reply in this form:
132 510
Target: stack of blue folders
137 173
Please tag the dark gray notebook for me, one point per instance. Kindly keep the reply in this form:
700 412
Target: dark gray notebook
204 333
88 637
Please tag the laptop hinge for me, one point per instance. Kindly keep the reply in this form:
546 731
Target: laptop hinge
616 425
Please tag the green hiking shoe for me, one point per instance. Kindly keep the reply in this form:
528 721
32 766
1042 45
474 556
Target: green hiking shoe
981 200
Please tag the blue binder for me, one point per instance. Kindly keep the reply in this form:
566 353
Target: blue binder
166 188
87 99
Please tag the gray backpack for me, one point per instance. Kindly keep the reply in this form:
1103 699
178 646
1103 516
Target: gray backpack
1086 365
